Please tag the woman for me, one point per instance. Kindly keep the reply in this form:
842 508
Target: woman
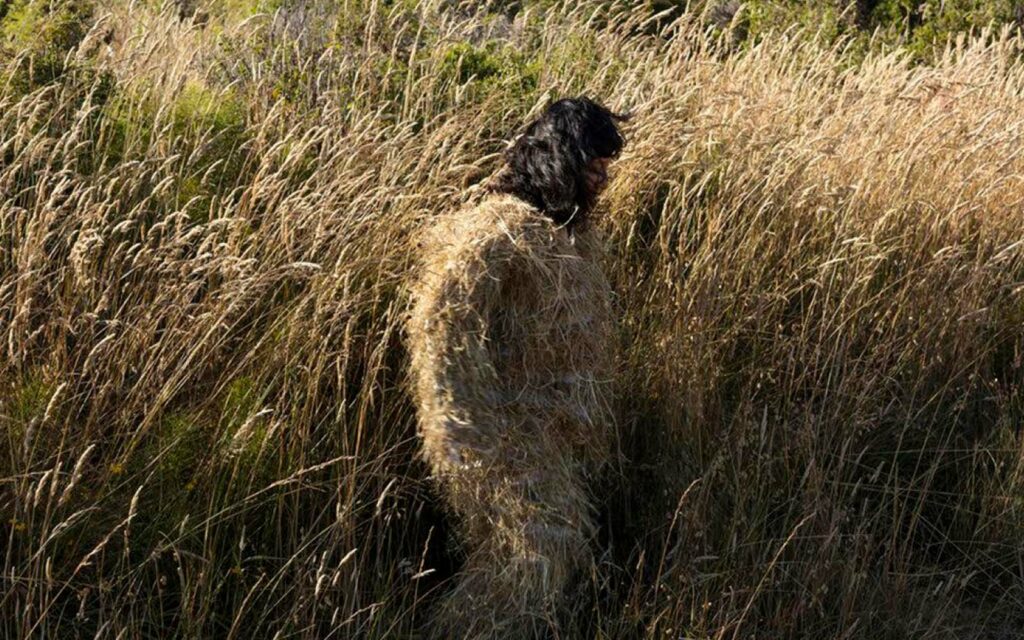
511 340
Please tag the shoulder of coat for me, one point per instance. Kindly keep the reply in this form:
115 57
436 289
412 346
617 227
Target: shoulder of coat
505 211
495 218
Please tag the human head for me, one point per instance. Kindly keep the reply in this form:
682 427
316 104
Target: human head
558 163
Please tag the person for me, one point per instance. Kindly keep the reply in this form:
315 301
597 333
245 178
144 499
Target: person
511 338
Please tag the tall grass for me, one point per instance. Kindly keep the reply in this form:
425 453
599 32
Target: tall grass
206 232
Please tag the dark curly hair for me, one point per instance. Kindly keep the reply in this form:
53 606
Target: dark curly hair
547 164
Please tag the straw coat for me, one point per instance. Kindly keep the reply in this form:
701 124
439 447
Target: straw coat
511 341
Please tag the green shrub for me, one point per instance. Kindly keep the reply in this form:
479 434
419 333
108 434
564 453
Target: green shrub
43 33
218 119
490 66
921 27
942 19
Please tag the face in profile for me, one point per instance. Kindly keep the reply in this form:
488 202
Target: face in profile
597 175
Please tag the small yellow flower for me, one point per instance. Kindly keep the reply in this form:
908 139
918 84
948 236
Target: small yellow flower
117 469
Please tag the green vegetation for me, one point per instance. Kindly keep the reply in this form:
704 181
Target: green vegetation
493 68
26 406
40 34
921 28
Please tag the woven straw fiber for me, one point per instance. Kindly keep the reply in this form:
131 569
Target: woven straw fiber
511 339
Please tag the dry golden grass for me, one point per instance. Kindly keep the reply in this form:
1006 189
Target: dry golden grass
205 242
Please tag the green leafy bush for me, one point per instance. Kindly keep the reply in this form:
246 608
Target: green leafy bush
39 34
492 64
923 28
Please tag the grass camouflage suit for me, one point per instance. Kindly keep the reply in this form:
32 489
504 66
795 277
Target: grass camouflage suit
511 338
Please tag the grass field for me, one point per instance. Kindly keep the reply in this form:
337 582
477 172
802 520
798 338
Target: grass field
207 227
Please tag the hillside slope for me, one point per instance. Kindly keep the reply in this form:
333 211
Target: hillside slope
206 232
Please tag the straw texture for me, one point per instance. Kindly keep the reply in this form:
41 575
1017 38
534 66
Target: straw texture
511 341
